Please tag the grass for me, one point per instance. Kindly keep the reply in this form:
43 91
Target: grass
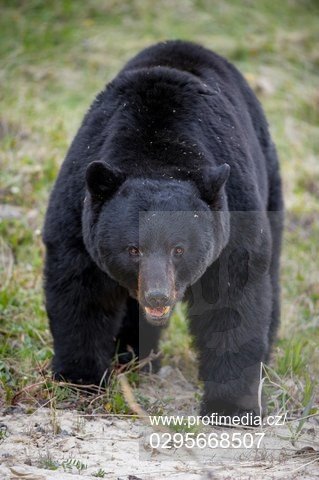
71 465
100 473
55 57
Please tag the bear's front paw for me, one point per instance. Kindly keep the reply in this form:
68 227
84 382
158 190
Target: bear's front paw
228 414
79 379
81 376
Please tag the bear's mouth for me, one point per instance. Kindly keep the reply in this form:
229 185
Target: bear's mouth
158 315
157 312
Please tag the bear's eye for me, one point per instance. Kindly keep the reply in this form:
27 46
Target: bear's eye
178 251
134 251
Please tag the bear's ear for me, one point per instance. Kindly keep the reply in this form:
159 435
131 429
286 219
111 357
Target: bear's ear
101 181
214 181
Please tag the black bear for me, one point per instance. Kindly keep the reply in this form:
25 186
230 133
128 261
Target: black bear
170 191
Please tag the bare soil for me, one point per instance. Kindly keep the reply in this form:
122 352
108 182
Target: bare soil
64 444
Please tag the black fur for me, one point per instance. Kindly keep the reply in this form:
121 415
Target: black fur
178 130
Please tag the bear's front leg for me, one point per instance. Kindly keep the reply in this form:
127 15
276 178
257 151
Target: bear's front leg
231 385
85 309
230 368
232 342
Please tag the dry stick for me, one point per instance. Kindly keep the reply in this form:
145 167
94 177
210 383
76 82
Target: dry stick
129 397
26 390
144 361
260 387
302 466
136 408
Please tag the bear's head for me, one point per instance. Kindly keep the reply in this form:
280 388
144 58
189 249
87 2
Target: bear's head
155 237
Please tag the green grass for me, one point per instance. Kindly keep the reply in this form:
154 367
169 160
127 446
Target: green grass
100 473
55 57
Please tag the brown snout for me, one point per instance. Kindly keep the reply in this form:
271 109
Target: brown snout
156 288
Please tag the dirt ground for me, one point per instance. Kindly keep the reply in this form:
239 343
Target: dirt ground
64 444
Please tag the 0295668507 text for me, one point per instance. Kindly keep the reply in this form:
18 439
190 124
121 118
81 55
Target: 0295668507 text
213 440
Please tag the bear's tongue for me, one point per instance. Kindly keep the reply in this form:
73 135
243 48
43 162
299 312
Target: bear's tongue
157 312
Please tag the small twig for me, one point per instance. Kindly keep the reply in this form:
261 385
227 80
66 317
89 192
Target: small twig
260 388
26 390
304 465
129 397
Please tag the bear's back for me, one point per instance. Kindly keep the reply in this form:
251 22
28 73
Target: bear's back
175 109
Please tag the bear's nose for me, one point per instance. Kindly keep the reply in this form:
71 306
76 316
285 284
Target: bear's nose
156 298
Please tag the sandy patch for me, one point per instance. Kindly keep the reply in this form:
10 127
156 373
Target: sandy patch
119 448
